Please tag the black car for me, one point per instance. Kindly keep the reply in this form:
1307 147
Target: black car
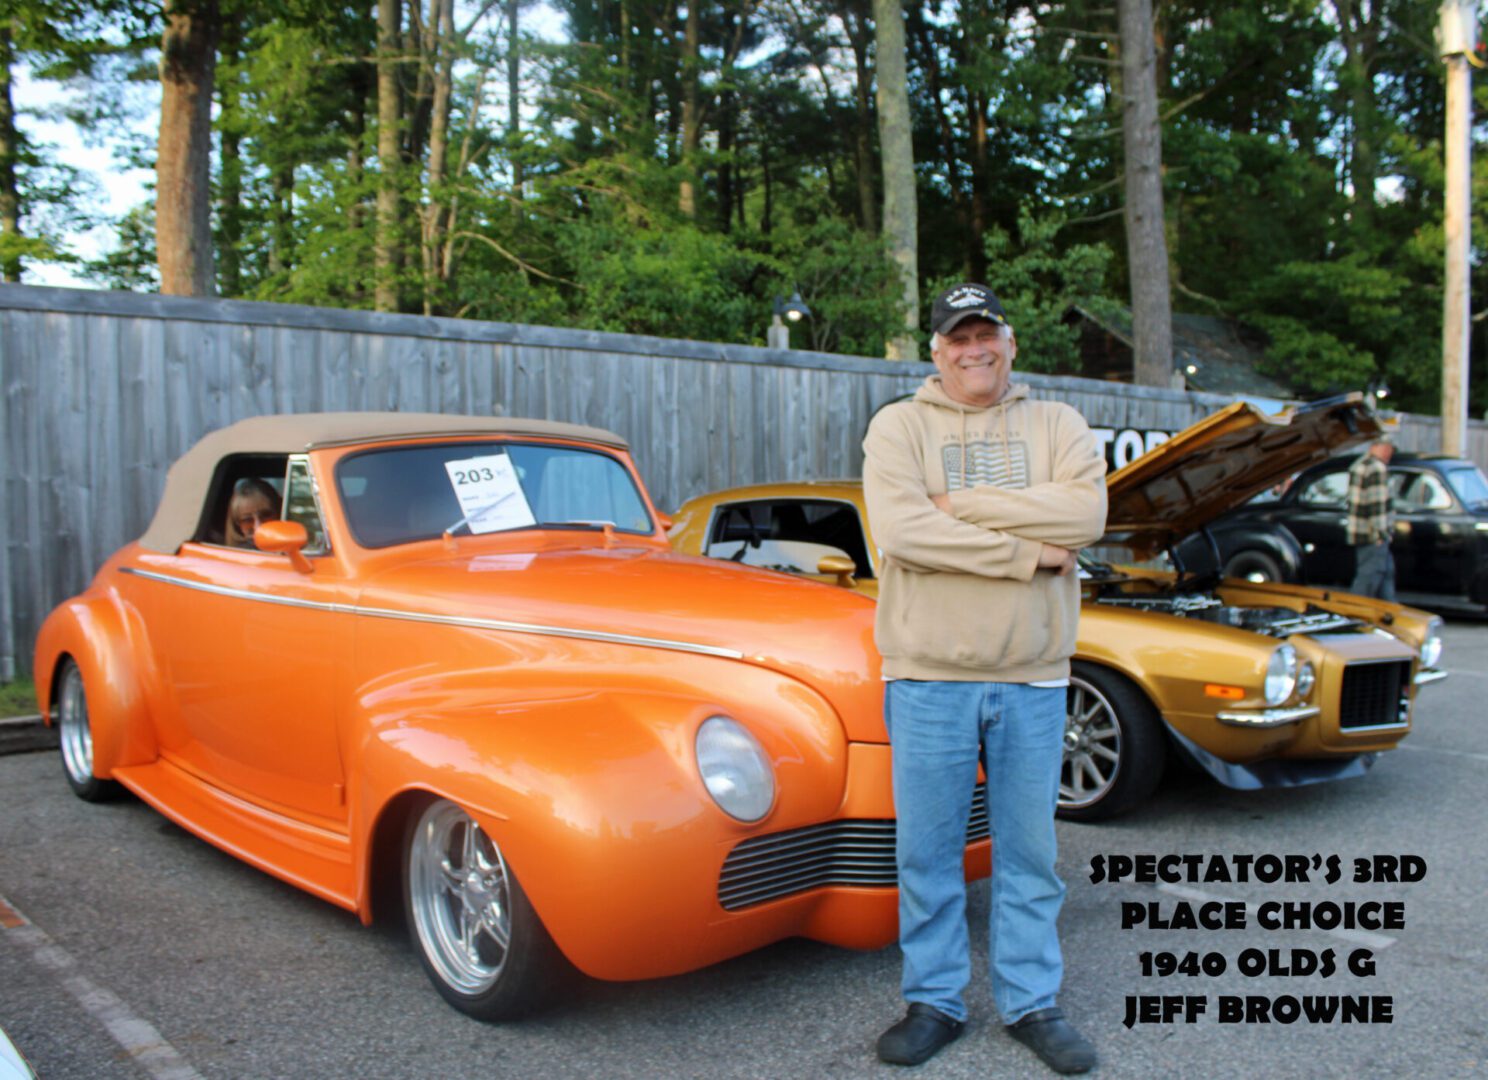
1440 543
1246 547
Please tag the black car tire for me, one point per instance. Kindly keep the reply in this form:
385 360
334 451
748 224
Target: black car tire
1253 565
1114 751
477 935
75 736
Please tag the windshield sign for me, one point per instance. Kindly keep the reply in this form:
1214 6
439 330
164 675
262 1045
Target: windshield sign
408 493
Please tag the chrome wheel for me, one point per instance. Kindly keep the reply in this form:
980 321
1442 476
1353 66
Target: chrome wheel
459 896
1114 750
76 736
1092 747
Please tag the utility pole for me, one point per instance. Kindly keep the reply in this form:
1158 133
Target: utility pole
1457 37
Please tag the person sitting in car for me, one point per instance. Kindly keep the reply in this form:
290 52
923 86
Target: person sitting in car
253 502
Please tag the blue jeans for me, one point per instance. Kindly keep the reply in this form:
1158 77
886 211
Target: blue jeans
939 731
1374 571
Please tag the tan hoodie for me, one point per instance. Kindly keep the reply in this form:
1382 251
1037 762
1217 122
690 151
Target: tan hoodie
960 598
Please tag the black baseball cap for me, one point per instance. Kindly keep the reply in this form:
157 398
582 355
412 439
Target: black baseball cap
965 301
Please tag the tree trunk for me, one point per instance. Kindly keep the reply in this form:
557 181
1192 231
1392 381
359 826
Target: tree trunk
976 248
281 248
1146 245
859 35
900 223
1360 33
692 132
419 41
389 116
766 216
230 182
726 172
514 97
10 196
183 196
929 57
441 64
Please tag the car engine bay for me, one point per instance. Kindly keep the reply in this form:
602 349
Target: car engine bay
1276 622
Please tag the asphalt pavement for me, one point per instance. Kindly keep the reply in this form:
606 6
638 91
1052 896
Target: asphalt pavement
128 948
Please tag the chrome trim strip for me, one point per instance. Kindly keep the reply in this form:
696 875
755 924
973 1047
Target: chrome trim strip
1427 676
1268 718
239 594
444 620
1399 725
304 459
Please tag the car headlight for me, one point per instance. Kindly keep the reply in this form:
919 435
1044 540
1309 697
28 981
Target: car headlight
1306 676
734 769
1281 675
1431 648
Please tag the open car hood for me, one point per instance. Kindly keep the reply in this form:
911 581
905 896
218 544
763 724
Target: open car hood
1222 461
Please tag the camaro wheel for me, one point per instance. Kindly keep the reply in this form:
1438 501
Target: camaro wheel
1253 566
75 733
478 936
1113 745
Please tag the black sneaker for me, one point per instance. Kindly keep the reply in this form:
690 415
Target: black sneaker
919 1036
1058 1045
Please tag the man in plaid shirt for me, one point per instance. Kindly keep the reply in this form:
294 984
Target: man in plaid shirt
1369 523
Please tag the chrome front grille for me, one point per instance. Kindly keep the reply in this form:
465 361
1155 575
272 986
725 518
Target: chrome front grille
1375 695
855 851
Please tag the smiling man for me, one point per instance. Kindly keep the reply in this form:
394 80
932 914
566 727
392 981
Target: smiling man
979 498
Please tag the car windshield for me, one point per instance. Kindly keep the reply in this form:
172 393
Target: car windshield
401 494
1470 485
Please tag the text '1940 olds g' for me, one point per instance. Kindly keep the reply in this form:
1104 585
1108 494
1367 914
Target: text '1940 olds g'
1259 684
457 657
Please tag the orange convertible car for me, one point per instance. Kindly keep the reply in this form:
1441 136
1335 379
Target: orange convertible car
460 660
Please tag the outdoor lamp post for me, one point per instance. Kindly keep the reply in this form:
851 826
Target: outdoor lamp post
794 310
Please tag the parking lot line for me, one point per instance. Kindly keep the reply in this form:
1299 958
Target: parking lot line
138 1037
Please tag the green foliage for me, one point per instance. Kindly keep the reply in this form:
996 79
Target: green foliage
15 247
1314 361
54 201
130 264
1337 325
76 44
17 698
846 278
676 281
1038 280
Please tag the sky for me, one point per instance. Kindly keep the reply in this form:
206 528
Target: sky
119 188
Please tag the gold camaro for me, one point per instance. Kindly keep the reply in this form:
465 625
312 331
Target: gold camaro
1259 684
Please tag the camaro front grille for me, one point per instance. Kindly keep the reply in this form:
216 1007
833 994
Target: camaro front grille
1375 694
855 851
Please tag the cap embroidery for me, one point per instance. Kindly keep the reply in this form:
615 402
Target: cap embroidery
966 297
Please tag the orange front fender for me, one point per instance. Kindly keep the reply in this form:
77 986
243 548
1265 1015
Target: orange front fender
595 799
105 638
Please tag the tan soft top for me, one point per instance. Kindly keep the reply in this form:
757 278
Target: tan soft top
187 481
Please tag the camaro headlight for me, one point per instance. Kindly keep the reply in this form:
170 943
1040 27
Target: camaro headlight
1281 675
1306 676
1431 648
734 769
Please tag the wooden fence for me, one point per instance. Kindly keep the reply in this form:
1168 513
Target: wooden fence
102 391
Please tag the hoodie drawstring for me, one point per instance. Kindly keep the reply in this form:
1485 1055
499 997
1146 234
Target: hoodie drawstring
964 482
